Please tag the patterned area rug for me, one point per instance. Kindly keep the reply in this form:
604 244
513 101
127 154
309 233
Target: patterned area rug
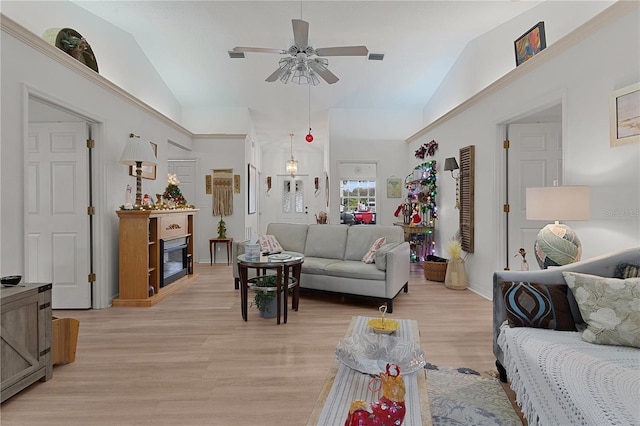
460 396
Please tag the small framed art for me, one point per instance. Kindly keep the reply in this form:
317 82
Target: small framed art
624 115
530 43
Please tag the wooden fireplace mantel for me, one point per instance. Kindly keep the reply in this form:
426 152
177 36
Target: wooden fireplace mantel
140 257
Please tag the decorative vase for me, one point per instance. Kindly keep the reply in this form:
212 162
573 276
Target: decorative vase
456 275
524 266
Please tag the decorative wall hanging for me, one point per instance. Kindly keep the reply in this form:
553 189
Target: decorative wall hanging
207 184
394 188
148 172
222 192
73 44
530 43
428 149
624 115
236 184
467 197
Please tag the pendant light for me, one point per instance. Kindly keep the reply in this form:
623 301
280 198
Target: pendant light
309 137
292 164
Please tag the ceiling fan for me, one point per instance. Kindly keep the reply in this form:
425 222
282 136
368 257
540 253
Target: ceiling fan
303 64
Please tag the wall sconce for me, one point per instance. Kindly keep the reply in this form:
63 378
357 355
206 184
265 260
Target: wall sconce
316 184
268 183
138 153
450 164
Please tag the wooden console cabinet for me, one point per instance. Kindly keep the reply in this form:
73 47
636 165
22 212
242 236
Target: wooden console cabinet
140 256
25 337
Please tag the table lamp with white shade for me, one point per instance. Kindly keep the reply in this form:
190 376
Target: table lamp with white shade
138 153
556 243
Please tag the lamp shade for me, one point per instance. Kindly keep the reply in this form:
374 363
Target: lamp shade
450 164
138 150
558 203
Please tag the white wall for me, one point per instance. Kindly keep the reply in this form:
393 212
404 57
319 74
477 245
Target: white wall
374 136
582 76
490 56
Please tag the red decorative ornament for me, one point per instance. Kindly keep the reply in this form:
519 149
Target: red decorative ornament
309 137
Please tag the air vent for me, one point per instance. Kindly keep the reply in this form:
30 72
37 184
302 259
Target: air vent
236 55
376 56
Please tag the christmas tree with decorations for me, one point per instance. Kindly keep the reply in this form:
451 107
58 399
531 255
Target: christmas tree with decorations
173 193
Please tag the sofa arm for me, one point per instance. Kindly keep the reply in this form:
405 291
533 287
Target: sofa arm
237 248
398 266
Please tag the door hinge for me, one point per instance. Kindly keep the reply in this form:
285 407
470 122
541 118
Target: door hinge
91 143
91 210
91 278
505 144
505 208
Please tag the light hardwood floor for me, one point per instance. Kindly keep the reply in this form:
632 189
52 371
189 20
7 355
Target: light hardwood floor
191 360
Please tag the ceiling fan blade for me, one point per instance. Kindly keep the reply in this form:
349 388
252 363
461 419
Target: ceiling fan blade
300 33
343 51
275 75
323 72
258 50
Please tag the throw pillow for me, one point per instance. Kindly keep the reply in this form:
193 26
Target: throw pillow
269 244
537 306
626 270
370 256
381 255
609 306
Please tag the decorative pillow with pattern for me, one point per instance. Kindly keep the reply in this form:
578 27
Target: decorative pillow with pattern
626 270
370 256
268 243
537 306
609 306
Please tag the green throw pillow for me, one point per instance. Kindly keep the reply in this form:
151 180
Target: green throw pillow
609 306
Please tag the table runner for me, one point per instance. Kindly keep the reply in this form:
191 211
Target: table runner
348 385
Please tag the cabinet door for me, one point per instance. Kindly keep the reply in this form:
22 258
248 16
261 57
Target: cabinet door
19 339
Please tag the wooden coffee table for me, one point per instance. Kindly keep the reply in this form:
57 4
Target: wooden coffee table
332 405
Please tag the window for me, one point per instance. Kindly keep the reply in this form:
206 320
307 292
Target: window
357 201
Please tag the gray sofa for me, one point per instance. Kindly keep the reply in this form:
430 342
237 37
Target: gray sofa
550 370
333 255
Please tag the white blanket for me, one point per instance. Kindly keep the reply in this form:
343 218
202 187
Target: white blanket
561 380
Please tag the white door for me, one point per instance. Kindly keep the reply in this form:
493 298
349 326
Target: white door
57 197
185 171
293 195
535 160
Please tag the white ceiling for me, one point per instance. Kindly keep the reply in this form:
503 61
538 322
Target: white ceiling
187 42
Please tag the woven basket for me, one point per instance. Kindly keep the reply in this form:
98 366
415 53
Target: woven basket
434 271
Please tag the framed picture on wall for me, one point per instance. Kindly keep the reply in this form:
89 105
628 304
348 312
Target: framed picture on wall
394 188
624 115
530 43
148 172
252 191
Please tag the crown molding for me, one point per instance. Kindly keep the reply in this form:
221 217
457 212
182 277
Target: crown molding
604 18
12 28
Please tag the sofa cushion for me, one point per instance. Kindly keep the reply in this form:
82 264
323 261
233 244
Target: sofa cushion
370 256
327 241
609 306
291 236
361 237
355 269
381 255
316 265
537 305
269 243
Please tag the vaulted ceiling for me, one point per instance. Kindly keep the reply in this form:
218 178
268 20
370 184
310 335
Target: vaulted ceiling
188 43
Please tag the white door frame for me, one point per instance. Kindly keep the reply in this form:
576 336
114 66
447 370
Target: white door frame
504 259
101 245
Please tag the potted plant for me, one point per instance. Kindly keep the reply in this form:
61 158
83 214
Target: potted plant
222 228
265 300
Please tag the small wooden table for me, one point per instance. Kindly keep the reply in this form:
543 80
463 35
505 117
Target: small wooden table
212 246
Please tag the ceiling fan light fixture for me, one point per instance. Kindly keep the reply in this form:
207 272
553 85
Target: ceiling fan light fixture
313 78
301 74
